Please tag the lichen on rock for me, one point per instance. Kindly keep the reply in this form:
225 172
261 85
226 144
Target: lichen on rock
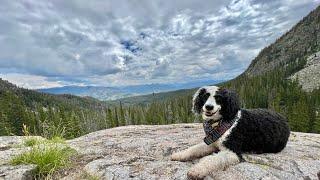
309 76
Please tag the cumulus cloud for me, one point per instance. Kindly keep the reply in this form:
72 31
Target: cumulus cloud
124 42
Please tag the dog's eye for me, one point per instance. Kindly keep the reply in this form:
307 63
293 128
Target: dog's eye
206 94
218 97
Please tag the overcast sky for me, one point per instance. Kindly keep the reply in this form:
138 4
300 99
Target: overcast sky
126 42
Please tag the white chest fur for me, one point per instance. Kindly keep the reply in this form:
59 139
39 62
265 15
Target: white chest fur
223 138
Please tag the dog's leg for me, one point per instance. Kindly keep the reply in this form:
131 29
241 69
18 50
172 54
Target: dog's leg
212 163
193 152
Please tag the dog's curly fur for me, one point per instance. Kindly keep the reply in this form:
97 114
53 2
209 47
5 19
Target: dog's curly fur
256 131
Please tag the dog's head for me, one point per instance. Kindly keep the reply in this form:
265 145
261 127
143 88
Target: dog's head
214 103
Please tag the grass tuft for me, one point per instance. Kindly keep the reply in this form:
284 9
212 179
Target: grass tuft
32 141
57 139
47 155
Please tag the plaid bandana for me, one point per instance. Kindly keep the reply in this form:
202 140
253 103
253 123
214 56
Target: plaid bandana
213 134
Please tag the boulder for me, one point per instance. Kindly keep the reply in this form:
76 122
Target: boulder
143 152
11 146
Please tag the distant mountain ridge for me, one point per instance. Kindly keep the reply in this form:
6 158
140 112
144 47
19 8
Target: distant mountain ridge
31 97
113 93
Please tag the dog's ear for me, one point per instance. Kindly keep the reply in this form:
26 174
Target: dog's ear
230 103
198 100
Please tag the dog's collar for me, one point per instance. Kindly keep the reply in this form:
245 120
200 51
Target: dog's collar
213 134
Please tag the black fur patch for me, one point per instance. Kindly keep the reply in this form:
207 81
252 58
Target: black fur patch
200 100
229 103
257 131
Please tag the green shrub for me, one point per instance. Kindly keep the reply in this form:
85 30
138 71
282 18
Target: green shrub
57 139
48 157
32 141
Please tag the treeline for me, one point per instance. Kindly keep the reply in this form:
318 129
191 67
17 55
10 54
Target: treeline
274 91
176 110
50 121
47 115
47 121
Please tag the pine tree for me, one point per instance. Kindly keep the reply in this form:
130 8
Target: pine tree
122 120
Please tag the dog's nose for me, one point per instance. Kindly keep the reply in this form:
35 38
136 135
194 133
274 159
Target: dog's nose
209 107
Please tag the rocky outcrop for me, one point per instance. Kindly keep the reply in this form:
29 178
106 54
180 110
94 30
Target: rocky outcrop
10 146
303 39
143 152
309 76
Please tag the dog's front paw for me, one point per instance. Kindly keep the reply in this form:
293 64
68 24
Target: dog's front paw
197 173
180 156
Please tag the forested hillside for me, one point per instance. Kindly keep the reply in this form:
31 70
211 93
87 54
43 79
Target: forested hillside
266 82
25 111
149 98
46 114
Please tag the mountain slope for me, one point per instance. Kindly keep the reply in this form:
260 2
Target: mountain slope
47 115
303 39
30 97
309 76
155 97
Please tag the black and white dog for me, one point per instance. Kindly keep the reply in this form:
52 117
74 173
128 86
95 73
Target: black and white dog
253 131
